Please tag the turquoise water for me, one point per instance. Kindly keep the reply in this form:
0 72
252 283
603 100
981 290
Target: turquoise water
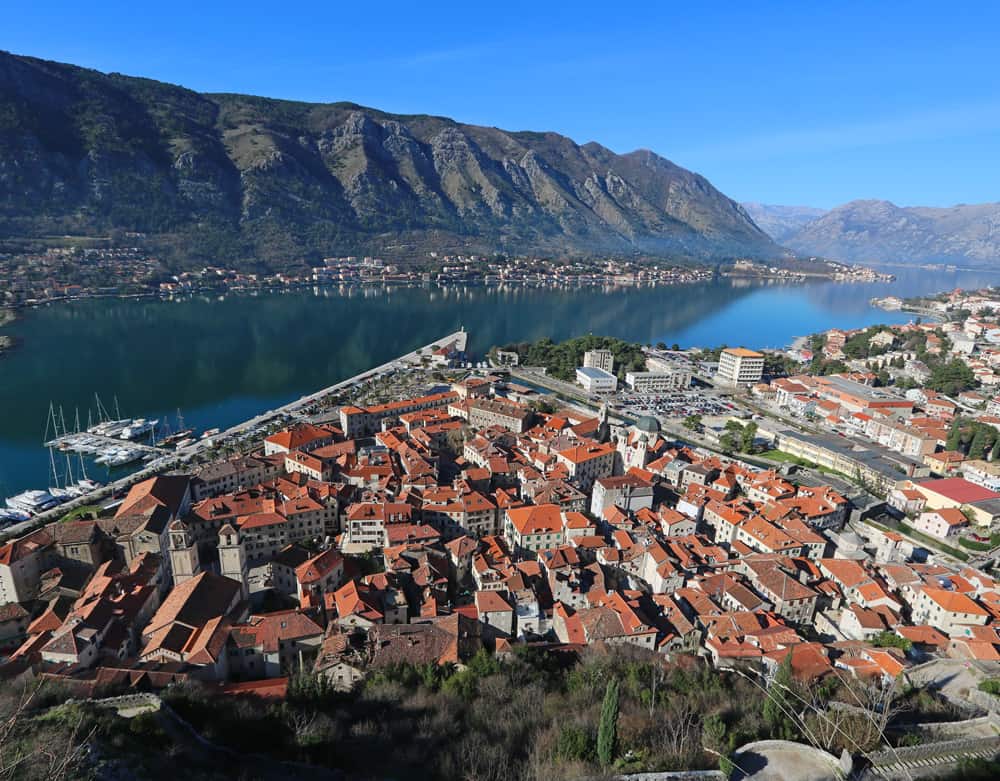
222 360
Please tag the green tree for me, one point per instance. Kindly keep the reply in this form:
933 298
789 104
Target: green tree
954 435
692 422
982 438
951 378
607 732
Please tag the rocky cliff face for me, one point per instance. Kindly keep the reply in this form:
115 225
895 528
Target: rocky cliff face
240 176
872 231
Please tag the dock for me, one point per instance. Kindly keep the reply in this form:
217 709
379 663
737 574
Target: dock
88 444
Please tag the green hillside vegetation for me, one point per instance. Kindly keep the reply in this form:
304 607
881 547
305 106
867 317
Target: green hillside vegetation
562 359
531 716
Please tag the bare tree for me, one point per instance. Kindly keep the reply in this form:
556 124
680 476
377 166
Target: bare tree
680 732
56 760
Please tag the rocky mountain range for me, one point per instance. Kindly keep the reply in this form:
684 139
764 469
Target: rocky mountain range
222 176
875 231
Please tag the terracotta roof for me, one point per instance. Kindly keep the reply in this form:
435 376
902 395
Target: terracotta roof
164 491
958 489
536 519
269 630
954 602
492 602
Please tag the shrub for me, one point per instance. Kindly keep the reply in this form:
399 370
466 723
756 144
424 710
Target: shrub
574 743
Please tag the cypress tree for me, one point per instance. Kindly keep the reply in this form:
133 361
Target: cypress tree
954 435
775 706
607 732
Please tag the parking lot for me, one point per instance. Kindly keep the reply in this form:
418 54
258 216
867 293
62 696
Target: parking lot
676 404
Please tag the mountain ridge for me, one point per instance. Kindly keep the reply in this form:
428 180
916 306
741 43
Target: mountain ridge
224 175
873 230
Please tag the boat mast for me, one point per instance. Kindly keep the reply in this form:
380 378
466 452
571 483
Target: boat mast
48 423
52 464
102 413
83 465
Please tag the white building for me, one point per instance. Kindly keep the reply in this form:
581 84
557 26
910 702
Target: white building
983 473
599 359
596 380
739 366
658 382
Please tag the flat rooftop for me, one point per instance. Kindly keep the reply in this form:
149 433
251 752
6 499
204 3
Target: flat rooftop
594 373
857 389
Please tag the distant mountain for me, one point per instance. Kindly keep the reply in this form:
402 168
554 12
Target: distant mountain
873 231
779 222
236 176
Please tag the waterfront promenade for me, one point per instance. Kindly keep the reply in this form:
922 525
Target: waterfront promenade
176 459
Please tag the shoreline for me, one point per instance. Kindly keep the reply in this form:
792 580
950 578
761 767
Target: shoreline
792 277
8 316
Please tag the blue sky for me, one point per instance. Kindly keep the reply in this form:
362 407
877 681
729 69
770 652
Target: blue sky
794 103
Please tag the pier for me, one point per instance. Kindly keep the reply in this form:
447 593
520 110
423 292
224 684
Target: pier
87 443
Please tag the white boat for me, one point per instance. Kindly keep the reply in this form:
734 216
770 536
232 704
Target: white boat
185 442
61 494
12 516
210 433
32 502
107 454
137 428
124 456
80 488
110 428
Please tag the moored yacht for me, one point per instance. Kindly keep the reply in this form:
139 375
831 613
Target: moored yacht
33 502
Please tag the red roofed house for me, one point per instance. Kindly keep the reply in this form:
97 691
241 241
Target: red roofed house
588 462
302 436
496 614
273 644
22 561
944 523
947 610
535 527
957 492
319 575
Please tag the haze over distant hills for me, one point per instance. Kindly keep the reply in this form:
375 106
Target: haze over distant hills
779 222
235 176
880 231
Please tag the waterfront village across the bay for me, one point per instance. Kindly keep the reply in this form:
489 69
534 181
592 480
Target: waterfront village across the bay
824 516
58 274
